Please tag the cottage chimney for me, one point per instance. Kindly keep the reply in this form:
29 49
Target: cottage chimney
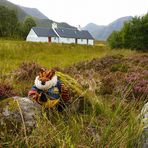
79 28
54 25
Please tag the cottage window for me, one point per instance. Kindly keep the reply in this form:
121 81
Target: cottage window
81 40
67 39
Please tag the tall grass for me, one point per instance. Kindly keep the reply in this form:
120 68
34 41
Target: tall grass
13 53
102 125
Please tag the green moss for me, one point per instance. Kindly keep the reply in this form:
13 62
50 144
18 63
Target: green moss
10 102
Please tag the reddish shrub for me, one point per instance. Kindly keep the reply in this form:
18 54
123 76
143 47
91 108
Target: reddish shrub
6 90
126 77
139 84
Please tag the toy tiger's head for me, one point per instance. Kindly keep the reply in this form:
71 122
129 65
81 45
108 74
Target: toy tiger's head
46 79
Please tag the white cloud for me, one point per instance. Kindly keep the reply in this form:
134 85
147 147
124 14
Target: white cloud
81 12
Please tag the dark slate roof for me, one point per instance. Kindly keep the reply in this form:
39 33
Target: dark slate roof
44 32
73 33
62 32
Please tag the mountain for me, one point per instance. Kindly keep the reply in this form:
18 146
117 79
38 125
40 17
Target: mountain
103 32
34 12
94 29
39 17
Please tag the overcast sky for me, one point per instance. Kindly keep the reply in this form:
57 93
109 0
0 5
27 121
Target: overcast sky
82 12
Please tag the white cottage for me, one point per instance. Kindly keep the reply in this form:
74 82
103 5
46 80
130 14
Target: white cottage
60 35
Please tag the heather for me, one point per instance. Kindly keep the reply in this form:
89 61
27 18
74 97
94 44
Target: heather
115 75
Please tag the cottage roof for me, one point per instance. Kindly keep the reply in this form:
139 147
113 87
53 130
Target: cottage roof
73 33
44 32
62 32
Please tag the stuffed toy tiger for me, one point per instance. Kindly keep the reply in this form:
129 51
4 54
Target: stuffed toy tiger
49 91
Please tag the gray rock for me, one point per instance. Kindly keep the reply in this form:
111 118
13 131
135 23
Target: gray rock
144 138
144 115
22 113
144 119
19 111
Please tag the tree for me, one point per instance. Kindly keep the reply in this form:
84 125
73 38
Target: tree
144 30
27 25
126 35
8 22
115 40
134 35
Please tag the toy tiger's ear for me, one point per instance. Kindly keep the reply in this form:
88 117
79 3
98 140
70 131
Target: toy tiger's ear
42 71
50 73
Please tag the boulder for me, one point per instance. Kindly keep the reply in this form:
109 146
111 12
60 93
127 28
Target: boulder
144 115
18 112
144 118
21 112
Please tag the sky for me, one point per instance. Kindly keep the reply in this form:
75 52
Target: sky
82 12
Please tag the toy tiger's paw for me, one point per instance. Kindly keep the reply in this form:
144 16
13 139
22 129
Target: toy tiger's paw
34 95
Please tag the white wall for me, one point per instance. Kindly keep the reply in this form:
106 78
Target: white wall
67 40
55 39
42 39
32 37
90 42
82 41
37 39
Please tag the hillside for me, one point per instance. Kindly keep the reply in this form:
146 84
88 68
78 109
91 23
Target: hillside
40 18
102 32
21 14
34 12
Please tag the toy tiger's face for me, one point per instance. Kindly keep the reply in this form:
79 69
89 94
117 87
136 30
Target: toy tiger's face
46 79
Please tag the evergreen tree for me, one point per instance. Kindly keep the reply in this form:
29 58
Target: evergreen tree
115 40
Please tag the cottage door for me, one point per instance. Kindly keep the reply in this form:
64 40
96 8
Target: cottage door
49 39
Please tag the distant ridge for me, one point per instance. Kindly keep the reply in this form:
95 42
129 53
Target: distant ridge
34 12
103 32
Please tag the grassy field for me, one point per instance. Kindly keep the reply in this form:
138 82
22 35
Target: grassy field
13 53
110 121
